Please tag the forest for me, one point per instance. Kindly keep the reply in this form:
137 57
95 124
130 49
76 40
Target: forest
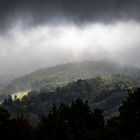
76 121
101 92
96 108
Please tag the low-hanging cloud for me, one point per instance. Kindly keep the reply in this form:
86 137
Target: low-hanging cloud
23 50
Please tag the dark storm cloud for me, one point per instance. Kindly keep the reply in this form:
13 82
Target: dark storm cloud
79 11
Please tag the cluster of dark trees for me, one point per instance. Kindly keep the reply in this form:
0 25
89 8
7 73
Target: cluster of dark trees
76 121
102 93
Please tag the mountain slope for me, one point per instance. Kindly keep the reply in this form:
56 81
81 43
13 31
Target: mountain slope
106 93
60 75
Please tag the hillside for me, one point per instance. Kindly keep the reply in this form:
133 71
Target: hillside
106 93
60 75
73 121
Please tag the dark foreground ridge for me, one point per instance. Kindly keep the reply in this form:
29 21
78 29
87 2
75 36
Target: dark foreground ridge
75 122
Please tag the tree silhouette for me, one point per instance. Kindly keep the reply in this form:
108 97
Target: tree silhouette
130 115
70 122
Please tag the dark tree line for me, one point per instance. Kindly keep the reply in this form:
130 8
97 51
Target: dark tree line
75 122
102 93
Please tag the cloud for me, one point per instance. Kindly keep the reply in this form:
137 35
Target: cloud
24 50
37 12
40 33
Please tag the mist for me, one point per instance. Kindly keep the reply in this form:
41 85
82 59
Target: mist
24 49
40 33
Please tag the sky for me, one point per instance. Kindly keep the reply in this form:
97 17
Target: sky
41 33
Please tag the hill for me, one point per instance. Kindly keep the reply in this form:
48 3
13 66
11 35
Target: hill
74 121
60 75
105 93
